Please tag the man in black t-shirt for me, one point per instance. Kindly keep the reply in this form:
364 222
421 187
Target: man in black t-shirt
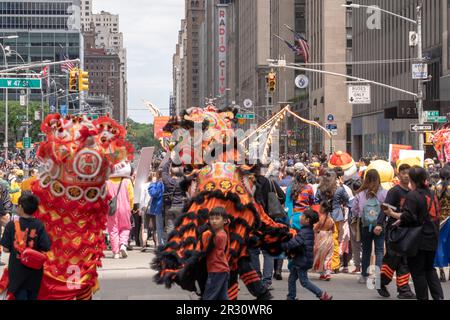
393 262
24 283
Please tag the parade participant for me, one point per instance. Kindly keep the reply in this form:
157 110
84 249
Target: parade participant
324 242
392 261
16 183
329 190
442 190
26 184
156 191
6 185
120 187
301 250
216 260
300 196
174 196
222 182
6 208
77 157
367 206
25 232
421 209
147 223
265 186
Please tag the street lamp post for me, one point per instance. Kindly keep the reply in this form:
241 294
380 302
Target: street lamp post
6 97
418 23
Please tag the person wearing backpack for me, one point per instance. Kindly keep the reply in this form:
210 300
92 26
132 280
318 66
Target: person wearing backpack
421 209
367 207
26 235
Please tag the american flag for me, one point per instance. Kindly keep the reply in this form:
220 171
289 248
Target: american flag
303 47
300 46
67 66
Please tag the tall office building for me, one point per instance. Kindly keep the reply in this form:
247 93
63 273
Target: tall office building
86 14
45 29
195 10
107 36
329 35
179 71
376 125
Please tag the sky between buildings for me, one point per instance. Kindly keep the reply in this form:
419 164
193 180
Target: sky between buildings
150 30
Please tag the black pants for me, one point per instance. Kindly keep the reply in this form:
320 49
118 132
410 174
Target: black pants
393 263
136 230
425 276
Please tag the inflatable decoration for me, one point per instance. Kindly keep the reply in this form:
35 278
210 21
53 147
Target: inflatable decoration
386 172
344 161
78 156
224 182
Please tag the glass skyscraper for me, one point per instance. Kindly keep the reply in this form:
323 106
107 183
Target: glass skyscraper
45 30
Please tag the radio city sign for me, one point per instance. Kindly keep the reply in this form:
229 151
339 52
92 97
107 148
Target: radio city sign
222 48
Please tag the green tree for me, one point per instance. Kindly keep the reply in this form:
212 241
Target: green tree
16 116
141 135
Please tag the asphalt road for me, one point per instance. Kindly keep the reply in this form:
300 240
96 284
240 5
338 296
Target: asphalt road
131 279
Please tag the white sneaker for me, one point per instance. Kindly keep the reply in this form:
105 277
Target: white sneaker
123 251
116 256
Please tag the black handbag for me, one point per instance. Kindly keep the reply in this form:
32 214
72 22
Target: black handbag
406 241
275 208
113 202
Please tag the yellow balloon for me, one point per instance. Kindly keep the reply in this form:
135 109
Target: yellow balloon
385 170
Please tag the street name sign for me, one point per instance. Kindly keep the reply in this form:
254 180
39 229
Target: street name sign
333 129
432 114
248 116
359 94
422 128
419 71
26 142
18 83
437 119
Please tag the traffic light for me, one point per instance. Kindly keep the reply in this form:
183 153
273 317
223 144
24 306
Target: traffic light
272 82
73 80
83 81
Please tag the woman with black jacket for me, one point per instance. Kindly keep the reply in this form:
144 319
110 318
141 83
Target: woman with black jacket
421 208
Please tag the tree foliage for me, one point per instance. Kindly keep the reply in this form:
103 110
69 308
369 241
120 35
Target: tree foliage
141 135
16 117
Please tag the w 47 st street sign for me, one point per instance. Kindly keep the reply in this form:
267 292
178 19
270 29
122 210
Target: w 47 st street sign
20 83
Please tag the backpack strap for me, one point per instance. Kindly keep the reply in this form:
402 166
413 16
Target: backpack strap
19 236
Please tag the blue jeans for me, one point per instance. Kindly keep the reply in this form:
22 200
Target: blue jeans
367 238
217 287
294 275
269 262
24 294
160 229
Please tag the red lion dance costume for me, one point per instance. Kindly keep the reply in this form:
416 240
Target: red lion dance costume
441 141
78 156
222 183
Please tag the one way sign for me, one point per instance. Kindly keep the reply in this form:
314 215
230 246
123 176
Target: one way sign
422 128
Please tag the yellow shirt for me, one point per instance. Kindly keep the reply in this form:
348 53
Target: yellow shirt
130 190
15 196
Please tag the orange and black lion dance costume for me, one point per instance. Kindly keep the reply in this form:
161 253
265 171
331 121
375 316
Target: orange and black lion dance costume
223 182
78 156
